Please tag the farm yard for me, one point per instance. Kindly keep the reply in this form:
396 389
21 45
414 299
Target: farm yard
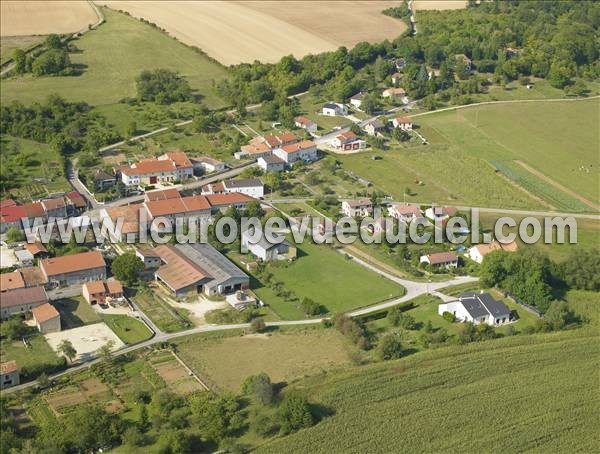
112 56
235 32
435 397
34 17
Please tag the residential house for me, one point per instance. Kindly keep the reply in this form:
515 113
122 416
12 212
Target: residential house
10 281
440 214
357 99
11 216
477 308
205 164
46 318
332 109
395 93
404 123
374 127
358 208
149 257
478 252
271 164
76 203
348 141
306 124
184 169
55 208
263 145
405 212
171 166
103 180
249 186
305 150
9 371
74 269
101 292
21 300
162 194
219 202
198 268
440 260
396 78
279 249
123 223
191 207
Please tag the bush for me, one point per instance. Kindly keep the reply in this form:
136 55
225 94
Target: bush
294 413
257 325
162 86
311 307
449 317
389 347
260 388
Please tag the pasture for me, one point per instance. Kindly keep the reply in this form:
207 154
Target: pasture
111 57
34 17
225 362
240 32
528 388
559 139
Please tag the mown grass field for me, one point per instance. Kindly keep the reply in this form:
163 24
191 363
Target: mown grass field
226 361
129 330
560 139
523 393
111 57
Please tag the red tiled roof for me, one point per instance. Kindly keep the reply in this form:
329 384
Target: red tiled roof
9 281
34 210
403 120
8 367
8 203
179 158
72 263
149 166
95 287
36 248
296 147
162 194
13 213
406 209
76 199
44 313
113 286
130 215
179 271
221 200
53 204
19 296
359 203
303 121
347 136
177 206
442 257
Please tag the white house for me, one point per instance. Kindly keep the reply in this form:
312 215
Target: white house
359 208
394 93
249 186
348 141
357 99
396 78
271 163
205 164
171 166
405 212
9 374
478 252
441 259
280 249
184 168
477 308
305 150
374 127
439 213
306 124
404 123
332 109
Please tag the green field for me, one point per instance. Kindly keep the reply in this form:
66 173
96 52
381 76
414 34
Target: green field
129 330
525 393
8 44
327 277
31 169
225 362
111 57
164 316
32 359
560 139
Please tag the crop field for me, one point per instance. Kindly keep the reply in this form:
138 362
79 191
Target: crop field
439 4
111 57
560 139
529 388
320 267
227 361
236 31
33 17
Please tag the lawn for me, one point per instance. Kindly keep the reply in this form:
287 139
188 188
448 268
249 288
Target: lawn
528 388
560 139
327 277
32 360
111 57
311 108
31 169
129 330
75 312
226 361
163 315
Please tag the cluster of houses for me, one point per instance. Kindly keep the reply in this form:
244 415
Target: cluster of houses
67 205
280 151
170 204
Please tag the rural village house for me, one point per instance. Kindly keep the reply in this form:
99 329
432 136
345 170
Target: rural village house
374 127
172 166
405 212
101 292
306 124
357 99
440 259
477 308
9 371
333 109
404 123
252 187
271 163
281 249
46 318
359 208
305 150
20 300
74 269
440 213
478 252
348 141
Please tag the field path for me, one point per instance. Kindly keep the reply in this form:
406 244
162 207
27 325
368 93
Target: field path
557 185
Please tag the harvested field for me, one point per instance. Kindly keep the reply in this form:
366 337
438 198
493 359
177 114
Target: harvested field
234 32
439 4
23 18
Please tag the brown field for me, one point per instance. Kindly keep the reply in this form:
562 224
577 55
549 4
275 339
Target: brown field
22 18
440 4
176 376
238 31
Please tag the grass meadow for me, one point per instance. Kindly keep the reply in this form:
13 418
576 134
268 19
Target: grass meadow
513 394
111 57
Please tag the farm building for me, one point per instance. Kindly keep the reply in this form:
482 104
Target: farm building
305 150
101 292
37 250
149 257
10 281
10 374
271 164
20 300
182 207
74 269
333 109
477 308
280 249
161 194
46 318
440 259
357 208
479 251
252 187
306 124
172 166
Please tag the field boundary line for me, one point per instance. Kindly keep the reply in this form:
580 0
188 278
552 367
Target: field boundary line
190 371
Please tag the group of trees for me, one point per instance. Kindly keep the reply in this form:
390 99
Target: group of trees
162 86
53 60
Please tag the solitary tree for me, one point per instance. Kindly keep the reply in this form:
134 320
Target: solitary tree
389 347
67 349
126 268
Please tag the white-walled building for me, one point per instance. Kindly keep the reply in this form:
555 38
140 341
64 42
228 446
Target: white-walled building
359 208
405 212
271 163
404 123
332 109
357 99
440 259
306 124
477 308
252 187
478 252
305 150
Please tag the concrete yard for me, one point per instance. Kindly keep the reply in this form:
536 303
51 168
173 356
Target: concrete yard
85 339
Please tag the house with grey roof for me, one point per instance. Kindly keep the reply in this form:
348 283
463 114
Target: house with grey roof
477 308
262 248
